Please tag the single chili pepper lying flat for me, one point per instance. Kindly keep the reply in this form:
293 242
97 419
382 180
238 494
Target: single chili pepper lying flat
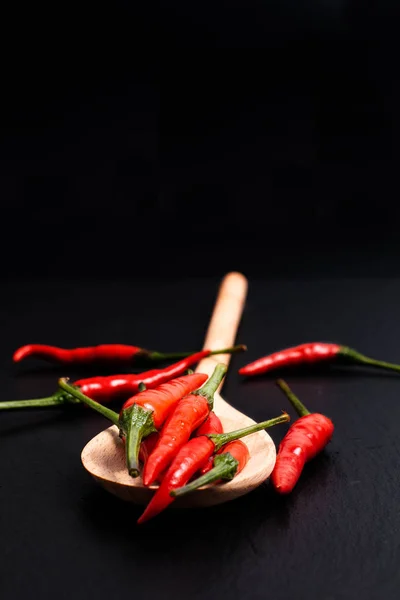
103 354
311 353
306 438
189 413
227 463
146 412
192 456
118 387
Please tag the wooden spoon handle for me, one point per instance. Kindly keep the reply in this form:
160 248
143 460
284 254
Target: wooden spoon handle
225 319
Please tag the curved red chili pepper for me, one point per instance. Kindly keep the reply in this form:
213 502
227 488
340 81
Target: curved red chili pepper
147 411
80 356
188 415
311 353
193 455
184 465
297 355
227 463
118 387
121 387
187 461
147 446
305 439
103 353
211 425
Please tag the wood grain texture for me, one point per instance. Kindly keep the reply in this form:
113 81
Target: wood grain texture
104 457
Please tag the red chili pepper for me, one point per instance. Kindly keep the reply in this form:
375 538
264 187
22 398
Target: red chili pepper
188 415
211 425
227 463
207 466
122 387
147 446
311 353
104 353
191 456
305 439
147 411
118 387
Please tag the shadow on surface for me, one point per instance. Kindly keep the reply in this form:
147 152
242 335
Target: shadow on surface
216 525
330 371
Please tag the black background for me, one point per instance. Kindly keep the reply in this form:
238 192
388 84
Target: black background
145 139
144 152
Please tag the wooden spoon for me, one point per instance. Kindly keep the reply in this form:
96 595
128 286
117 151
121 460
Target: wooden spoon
104 456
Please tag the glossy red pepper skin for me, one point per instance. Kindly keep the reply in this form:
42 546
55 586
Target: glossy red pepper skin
188 460
208 465
102 353
113 387
185 464
110 388
188 415
211 425
312 353
239 451
297 355
121 387
195 453
161 400
229 461
304 440
147 411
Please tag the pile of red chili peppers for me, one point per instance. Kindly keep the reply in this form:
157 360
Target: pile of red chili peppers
167 425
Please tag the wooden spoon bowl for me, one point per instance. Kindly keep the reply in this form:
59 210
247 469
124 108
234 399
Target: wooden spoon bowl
104 456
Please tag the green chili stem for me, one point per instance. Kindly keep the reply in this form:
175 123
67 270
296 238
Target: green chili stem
56 399
225 467
221 439
137 423
365 360
106 412
162 356
293 399
132 447
232 350
211 385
